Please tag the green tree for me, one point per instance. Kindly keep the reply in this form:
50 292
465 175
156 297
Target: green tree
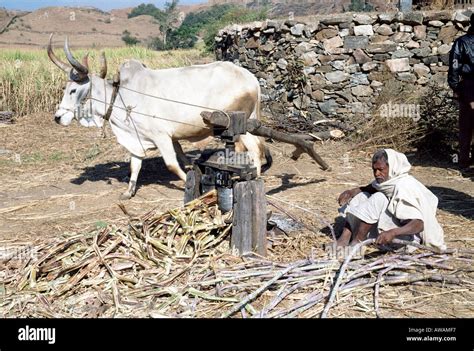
128 39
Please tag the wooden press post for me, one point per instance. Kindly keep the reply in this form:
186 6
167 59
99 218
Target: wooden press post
250 218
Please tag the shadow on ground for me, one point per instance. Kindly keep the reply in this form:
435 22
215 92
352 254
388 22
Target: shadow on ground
455 202
153 171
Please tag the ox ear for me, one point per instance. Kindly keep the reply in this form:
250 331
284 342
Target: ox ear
103 66
85 61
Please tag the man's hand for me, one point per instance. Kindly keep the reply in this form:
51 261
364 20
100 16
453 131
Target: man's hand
345 197
386 237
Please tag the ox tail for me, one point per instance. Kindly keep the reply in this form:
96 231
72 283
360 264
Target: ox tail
268 159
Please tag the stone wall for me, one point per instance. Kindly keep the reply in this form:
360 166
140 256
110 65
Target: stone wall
333 67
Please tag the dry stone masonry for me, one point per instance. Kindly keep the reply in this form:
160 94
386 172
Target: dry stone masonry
334 66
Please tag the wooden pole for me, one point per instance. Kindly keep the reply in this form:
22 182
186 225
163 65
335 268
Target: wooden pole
250 218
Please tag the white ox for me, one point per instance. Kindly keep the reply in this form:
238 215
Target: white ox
219 85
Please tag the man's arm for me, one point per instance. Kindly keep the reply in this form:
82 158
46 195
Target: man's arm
413 226
347 195
455 65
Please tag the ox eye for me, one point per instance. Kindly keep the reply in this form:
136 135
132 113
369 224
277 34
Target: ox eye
72 91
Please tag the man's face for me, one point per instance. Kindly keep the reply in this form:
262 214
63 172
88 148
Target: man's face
380 169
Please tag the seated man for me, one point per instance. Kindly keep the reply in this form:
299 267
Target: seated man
395 205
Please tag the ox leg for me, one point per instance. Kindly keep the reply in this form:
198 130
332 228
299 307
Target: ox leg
180 153
165 145
135 166
254 148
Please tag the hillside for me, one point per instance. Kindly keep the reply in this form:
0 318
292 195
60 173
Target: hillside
86 27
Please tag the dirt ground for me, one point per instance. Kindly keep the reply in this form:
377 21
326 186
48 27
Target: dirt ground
57 179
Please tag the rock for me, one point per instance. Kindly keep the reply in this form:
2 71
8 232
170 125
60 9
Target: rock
401 37
412 45
402 53
310 58
384 29
369 66
273 24
362 90
381 48
437 24
360 56
423 81
444 49
324 69
398 65
438 16
302 103
387 17
252 43
422 52
381 57
338 65
282 63
326 33
430 60
461 17
361 18
444 59
363 30
318 95
352 68
310 28
318 81
406 77
405 28
353 42
337 76
333 43
379 76
420 32
336 19
377 39
297 29
359 79
307 71
328 107
302 48
376 84
344 32
421 70
447 34
267 47
412 18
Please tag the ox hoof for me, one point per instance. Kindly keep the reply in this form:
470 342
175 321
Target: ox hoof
125 196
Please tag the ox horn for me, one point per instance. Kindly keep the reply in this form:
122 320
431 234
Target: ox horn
64 66
80 68
103 65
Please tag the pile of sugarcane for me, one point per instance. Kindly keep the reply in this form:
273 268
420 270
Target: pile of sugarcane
177 264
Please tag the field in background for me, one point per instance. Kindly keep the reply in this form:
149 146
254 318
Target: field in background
31 83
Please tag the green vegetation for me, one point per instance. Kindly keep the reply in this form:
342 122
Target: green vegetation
203 24
128 39
360 6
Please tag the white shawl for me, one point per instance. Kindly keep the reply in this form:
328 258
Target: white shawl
409 199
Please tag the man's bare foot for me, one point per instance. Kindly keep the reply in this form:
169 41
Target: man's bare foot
344 238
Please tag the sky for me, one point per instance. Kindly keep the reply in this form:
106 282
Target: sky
30 5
